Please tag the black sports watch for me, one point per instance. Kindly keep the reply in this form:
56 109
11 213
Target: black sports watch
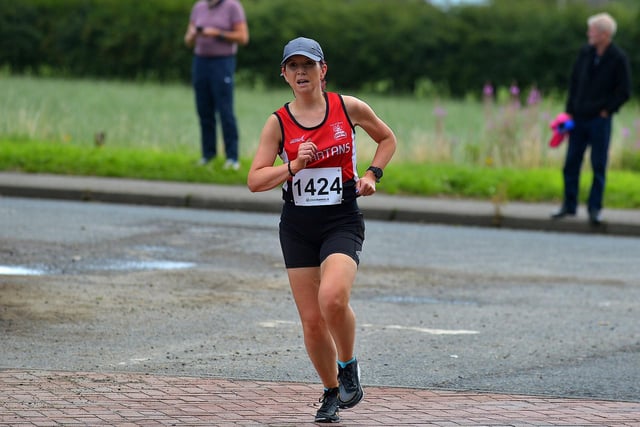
376 171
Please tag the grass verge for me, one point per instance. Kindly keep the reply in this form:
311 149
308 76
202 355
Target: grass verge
420 179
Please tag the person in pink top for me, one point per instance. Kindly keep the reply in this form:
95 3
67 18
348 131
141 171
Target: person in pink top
321 226
216 28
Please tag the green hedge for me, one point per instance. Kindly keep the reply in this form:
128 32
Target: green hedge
382 45
96 38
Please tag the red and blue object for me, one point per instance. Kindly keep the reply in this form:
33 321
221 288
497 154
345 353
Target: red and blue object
560 126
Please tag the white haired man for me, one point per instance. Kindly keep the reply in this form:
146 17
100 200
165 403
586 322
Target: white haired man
600 84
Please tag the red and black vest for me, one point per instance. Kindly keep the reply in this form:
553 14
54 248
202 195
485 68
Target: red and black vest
334 137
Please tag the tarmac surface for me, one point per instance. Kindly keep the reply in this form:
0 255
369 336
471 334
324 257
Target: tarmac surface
58 398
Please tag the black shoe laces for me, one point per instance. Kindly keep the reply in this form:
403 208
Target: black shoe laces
348 377
328 399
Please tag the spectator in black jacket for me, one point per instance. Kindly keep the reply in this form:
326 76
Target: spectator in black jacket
600 84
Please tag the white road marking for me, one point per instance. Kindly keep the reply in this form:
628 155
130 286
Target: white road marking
424 330
430 331
275 323
134 361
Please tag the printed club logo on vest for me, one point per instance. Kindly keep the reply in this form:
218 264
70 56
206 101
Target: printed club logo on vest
338 132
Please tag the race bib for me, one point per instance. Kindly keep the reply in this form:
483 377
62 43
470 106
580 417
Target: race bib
317 187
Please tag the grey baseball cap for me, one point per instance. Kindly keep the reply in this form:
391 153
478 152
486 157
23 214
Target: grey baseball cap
302 46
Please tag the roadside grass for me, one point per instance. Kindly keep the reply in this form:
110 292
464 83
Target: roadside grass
446 147
499 185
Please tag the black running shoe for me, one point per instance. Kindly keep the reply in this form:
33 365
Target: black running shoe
328 412
350 390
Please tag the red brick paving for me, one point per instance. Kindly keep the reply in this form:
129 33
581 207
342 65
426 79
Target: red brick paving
46 398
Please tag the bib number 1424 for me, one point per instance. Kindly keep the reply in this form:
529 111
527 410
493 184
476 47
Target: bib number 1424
318 187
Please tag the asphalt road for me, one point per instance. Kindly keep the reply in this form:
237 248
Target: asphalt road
192 292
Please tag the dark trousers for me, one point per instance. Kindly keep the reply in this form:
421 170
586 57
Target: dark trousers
213 85
594 133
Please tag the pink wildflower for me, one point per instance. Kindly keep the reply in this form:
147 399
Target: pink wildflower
439 112
534 96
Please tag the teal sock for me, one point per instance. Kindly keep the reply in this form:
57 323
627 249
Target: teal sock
344 364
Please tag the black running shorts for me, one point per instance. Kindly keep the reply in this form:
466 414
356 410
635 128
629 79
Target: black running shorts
309 234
